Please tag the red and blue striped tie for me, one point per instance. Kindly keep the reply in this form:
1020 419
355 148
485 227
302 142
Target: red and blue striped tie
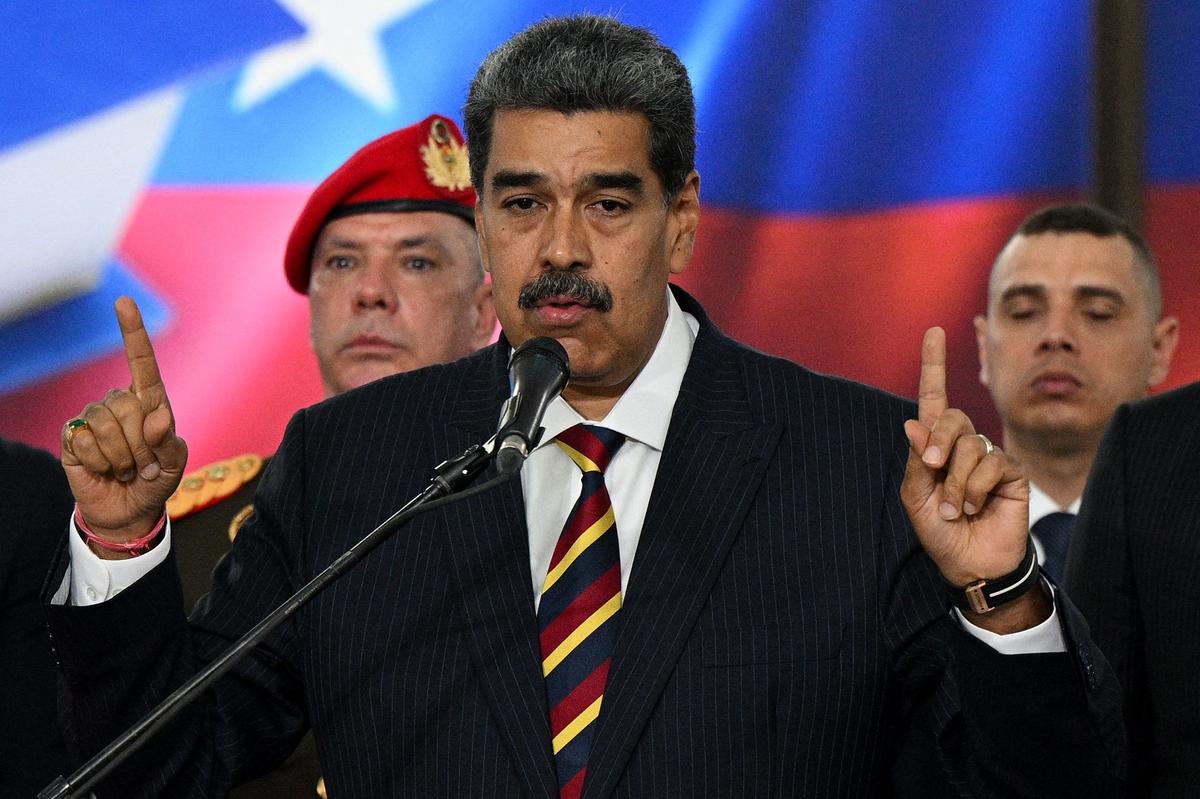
580 608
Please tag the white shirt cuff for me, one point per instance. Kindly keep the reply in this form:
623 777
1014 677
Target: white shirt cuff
94 579
1043 638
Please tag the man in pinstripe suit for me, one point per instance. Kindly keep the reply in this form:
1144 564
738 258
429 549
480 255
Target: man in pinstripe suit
786 622
1134 564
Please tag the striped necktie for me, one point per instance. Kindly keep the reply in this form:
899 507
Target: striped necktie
579 610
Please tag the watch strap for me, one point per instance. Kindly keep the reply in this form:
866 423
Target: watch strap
984 596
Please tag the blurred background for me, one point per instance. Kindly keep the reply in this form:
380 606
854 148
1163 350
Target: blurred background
862 162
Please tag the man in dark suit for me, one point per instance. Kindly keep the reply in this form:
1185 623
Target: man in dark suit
714 591
1133 569
1074 327
34 501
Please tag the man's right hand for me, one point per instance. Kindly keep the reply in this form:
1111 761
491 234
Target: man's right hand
126 460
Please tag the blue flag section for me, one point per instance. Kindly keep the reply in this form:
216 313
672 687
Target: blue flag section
861 161
1173 92
803 107
64 60
852 106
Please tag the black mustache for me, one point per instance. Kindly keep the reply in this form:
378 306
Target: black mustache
582 289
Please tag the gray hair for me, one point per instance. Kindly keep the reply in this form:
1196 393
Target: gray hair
588 63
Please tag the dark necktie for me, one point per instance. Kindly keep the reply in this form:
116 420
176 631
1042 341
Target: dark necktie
580 608
1054 531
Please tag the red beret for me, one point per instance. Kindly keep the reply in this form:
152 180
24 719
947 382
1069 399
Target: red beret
419 168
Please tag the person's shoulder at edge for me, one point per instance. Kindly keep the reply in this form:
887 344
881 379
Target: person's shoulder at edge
36 493
1181 398
1160 431
36 465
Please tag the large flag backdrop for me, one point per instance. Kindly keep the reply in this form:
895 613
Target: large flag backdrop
862 161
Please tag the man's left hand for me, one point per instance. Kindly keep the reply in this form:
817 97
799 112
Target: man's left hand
967 500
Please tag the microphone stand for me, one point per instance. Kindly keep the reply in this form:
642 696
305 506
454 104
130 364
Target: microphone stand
450 478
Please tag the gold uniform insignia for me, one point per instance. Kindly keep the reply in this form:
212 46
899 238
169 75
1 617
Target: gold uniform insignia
446 163
208 486
239 519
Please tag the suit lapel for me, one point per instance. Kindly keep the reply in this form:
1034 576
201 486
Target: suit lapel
713 460
489 564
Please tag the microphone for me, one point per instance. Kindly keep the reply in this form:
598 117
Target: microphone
538 371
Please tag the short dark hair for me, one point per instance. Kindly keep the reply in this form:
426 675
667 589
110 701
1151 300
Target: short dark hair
588 63
1084 218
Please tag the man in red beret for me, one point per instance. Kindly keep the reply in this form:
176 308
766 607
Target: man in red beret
385 249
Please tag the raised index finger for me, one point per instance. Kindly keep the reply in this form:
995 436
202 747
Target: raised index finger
143 368
931 393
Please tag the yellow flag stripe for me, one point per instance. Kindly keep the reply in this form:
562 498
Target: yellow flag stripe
578 725
580 634
581 460
582 543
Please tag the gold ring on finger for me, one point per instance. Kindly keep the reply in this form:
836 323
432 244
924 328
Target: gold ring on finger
988 446
76 424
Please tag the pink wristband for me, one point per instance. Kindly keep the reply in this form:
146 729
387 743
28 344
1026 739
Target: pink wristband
138 546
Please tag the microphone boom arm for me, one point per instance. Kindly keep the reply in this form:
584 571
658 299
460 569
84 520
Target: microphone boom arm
450 479
539 370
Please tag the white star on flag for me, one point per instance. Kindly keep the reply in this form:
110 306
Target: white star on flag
342 38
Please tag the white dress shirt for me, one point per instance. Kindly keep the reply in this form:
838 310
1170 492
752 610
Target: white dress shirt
551 483
91 579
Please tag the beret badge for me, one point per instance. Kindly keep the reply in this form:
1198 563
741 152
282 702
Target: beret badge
445 159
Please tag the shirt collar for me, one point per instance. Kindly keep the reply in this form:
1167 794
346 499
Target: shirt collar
1041 505
643 413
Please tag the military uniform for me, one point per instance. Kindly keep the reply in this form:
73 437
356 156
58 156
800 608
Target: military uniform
206 511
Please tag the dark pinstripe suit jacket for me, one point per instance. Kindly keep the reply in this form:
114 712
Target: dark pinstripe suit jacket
1134 568
35 503
781 629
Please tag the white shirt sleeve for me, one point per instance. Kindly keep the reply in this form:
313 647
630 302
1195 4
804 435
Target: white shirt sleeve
93 579
1046 637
